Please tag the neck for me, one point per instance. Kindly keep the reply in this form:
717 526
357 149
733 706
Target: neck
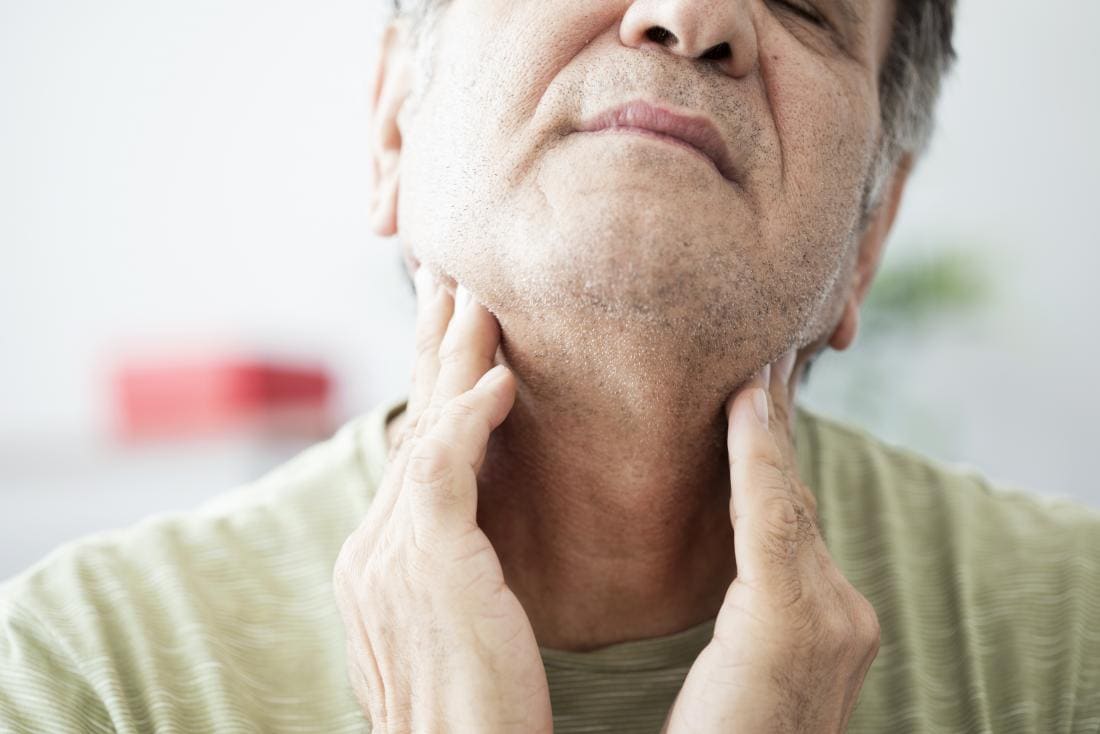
606 490
595 518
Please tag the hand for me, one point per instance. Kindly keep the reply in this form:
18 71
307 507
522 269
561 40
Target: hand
793 639
435 639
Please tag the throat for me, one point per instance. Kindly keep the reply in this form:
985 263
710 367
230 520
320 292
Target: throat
608 534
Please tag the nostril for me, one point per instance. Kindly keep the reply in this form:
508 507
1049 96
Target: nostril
660 35
717 53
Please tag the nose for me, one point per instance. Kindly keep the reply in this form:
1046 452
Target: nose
717 31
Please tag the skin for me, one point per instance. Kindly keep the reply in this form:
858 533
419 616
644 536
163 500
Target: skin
438 641
635 294
606 483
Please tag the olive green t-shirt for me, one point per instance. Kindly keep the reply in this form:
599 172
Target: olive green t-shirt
222 619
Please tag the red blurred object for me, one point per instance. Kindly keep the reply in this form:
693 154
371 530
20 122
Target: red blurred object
175 398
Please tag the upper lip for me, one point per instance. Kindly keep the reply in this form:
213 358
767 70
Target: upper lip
695 130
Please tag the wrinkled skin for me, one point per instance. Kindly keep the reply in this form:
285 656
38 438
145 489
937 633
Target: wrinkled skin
619 244
636 294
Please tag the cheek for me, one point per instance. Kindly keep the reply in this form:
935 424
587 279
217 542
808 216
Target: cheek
494 61
471 141
466 138
444 166
825 125
825 129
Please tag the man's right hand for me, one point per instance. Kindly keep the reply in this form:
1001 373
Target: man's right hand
436 641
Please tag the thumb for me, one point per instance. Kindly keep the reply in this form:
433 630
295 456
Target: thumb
769 517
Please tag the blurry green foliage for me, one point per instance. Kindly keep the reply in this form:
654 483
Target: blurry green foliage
916 303
924 290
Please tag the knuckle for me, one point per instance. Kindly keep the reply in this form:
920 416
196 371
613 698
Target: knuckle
377 570
867 623
427 340
463 418
347 582
778 512
461 408
789 592
789 525
343 569
407 433
425 421
429 463
827 631
420 562
453 351
854 631
842 633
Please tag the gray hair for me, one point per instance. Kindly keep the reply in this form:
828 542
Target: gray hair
920 55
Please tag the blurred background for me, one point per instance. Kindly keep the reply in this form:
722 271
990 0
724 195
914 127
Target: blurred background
190 293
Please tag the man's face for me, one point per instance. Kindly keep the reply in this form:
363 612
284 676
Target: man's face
630 238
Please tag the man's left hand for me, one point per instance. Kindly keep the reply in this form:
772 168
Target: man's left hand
794 639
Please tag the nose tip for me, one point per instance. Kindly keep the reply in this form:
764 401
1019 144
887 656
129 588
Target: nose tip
720 33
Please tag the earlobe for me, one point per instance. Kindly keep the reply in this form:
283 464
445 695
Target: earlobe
391 90
846 330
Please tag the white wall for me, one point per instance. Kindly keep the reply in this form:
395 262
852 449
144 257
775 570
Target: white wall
197 170
184 170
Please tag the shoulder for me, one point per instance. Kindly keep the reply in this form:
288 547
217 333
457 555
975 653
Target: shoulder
199 618
988 595
924 497
303 498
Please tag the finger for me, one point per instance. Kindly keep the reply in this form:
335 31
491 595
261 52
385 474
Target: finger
362 668
434 308
780 387
781 406
381 507
772 525
440 487
465 354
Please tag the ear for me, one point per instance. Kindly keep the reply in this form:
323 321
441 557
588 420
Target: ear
871 245
391 88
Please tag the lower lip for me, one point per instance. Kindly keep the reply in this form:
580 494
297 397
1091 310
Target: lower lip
653 135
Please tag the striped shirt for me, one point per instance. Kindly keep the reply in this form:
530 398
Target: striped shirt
223 619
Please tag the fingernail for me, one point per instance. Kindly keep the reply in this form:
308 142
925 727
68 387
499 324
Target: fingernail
462 297
766 375
786 366
760 405
422 281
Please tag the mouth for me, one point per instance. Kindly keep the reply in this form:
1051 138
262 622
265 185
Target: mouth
696 133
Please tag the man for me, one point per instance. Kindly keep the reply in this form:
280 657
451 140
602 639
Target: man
633 224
